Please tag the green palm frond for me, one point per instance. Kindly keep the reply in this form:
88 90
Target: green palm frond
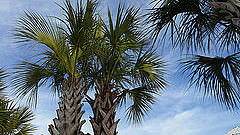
149 70
80 22
55 68
218 77
29 76
126 32
147 78
13 120
142 99
24 116
34 29
4 115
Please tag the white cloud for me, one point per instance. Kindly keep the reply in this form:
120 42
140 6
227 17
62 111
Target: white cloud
196 121
178 113
175 114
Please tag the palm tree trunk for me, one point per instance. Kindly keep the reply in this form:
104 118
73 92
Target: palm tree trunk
103 121
69 114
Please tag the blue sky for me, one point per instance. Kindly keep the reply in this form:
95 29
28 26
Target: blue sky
179 111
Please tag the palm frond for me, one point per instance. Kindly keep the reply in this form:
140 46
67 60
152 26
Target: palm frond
15 120
126 33
33 29
147 78
80 22
30 76
142 98
3 75
216 77
149 71
165 12
193 25
24 115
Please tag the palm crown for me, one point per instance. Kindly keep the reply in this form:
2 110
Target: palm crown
115 59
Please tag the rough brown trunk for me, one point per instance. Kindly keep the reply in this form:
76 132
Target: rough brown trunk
69 114
103 120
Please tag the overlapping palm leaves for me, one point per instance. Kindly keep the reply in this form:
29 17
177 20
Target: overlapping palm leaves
13 120
194 24
199 25
127 67
115 56
216 76
60 49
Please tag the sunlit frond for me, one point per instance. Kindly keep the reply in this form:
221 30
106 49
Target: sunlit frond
13 119
150 71
34 29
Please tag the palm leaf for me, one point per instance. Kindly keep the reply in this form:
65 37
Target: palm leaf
149 70
30 76
3 75
193 24
142 98
14 120
218 77
34 29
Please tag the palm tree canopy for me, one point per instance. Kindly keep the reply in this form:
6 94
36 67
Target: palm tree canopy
114 55
62 46
125 64
203 25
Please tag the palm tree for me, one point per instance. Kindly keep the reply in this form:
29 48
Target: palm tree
113 60
204 25
127 72
61 63
13 120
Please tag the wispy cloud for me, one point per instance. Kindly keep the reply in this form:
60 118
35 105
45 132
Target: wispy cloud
197 121
176 112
